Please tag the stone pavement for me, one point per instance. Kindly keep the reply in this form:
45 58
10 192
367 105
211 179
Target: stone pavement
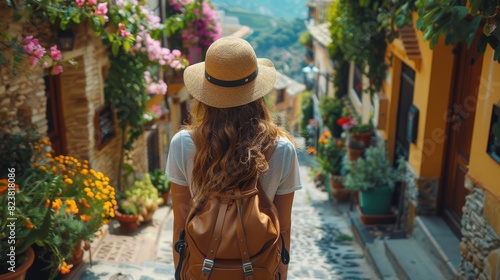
322 244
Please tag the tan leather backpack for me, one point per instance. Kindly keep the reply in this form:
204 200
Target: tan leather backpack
235 235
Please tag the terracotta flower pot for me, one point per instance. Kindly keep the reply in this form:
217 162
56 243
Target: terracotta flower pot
20 273
128 223
77 257
365 137
338 191
354 154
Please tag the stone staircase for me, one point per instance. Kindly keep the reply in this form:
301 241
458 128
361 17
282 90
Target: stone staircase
432 253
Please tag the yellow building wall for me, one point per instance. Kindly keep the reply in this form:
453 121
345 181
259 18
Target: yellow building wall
433 74
481 166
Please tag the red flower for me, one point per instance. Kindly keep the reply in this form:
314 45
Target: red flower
343 120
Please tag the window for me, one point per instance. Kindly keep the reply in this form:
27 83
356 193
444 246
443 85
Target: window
280 98
357 82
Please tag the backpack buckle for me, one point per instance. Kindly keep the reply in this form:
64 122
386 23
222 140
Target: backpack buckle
207 266
248 268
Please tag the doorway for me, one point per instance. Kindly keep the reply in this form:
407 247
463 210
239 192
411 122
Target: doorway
460 118
54 114
407 85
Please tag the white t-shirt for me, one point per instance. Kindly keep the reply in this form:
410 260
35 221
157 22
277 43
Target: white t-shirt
281 178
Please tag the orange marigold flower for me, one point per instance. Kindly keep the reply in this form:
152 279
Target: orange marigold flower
64 268
2 189
85 218
47 203
327 133
69 181
71 206
85 203
311 150
43 168
29 225
339 144
56 205
322 140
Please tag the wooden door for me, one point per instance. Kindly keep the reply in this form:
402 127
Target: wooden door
460 118
407 84
55 121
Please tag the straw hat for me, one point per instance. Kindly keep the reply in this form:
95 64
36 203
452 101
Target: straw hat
231 74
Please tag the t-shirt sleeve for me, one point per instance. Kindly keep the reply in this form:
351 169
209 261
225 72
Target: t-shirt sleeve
290 180
175 169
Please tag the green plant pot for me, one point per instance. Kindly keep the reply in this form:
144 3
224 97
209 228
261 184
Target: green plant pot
376 201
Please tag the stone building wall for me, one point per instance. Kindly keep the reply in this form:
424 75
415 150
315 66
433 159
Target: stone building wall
83 95
480 244
22 93
23 100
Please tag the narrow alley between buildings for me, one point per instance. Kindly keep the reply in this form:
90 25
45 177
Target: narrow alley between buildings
323 245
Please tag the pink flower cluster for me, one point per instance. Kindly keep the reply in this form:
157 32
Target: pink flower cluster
80 3
102 10
156 109
34 50
152 19
146 44
206 29
152 87
36 53
123 31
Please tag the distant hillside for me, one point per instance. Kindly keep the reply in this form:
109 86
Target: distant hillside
273 37
286 9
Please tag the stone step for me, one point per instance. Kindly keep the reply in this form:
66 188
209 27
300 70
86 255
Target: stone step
411 261
375 254
440 243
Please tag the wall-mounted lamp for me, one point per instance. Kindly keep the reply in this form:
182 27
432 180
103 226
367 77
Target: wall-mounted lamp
65 39
310 72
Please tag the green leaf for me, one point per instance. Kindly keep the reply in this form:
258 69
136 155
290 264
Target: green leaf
400 19
111 38
95 24
460 11
76 18
126 46
115 47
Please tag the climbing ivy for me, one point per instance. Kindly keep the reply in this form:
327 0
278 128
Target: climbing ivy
459 22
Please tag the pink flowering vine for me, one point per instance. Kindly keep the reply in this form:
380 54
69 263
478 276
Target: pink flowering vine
34 50
123 31
205 29
55 53
102 10
156 109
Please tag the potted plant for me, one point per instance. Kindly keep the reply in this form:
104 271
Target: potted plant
146 196
162 184
83 202
359 136
374 178
330 154
128 215
60 202
332 110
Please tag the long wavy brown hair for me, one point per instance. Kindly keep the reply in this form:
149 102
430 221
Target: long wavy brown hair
230 145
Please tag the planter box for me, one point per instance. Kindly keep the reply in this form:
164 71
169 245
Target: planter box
376 219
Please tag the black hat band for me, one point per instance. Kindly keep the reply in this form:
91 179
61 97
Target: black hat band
235 83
